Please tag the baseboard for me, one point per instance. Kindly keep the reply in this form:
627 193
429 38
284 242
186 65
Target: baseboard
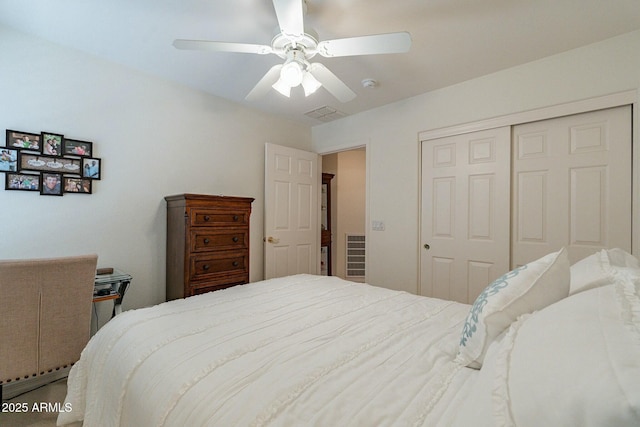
13 389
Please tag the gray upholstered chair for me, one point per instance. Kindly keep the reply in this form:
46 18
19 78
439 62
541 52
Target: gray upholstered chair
45 309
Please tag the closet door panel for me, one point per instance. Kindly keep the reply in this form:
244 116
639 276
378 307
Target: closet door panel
532 209
584 200
588 206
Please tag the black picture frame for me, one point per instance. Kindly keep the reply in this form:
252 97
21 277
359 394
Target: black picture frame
20 140
75 147
75 185
52 143
45 163
30 161
46 189
16 181
9 159
92 168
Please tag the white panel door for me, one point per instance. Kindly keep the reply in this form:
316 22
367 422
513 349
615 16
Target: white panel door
292 230
465 213
572 185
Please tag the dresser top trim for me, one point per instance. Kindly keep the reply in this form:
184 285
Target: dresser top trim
208 198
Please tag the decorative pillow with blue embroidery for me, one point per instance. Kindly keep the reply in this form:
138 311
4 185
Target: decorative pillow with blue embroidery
523 290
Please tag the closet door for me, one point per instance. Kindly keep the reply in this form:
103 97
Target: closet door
465 213
572 185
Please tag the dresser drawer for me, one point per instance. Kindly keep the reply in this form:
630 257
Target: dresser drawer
217 217
208 266
203 239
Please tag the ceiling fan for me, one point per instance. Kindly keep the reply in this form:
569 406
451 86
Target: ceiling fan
297 45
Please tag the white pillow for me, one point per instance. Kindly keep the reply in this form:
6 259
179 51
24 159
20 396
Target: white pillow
526 289
597 270
620 258
577 362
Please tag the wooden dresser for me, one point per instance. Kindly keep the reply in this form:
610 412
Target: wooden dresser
207 243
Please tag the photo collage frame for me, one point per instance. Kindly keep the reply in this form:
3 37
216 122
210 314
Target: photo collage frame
48 163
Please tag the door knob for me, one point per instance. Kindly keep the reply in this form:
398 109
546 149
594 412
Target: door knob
426 246
273 240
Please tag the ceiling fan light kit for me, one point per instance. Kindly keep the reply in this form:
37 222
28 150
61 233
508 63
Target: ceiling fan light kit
310 84
295 72
297 46
281 87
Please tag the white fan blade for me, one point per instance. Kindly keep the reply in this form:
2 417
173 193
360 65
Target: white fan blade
265 83
331 83
366 45
222 46
290 17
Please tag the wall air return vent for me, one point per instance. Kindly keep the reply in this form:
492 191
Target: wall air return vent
356 251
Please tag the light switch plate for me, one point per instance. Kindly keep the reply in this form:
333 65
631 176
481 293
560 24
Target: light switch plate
377 225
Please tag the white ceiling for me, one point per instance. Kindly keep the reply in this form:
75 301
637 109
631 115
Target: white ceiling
453 40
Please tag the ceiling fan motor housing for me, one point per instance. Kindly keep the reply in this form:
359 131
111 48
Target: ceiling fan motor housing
283 43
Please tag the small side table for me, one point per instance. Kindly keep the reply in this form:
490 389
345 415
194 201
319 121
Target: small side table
111 287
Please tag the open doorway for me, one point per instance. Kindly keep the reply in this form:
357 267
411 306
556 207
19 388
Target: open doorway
347 214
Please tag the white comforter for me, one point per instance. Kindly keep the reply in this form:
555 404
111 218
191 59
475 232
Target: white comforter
298 351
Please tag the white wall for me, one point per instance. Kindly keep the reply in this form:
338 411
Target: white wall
155 138
392 131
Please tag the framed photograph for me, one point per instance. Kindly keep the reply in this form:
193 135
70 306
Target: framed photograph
91 168
52 143
77 185
42 163
22 182
8 159
23 140
73 147
51 184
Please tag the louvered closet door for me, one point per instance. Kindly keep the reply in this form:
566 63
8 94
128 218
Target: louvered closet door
465 213
572 185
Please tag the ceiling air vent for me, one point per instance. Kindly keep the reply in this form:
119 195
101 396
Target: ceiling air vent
325 114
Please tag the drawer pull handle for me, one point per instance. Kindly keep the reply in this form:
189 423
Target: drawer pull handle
205 267
207 217
235 263
235 239
206 241
235 217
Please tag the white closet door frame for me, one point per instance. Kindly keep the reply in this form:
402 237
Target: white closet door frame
630 97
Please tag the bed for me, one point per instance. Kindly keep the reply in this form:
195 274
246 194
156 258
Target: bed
546 344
